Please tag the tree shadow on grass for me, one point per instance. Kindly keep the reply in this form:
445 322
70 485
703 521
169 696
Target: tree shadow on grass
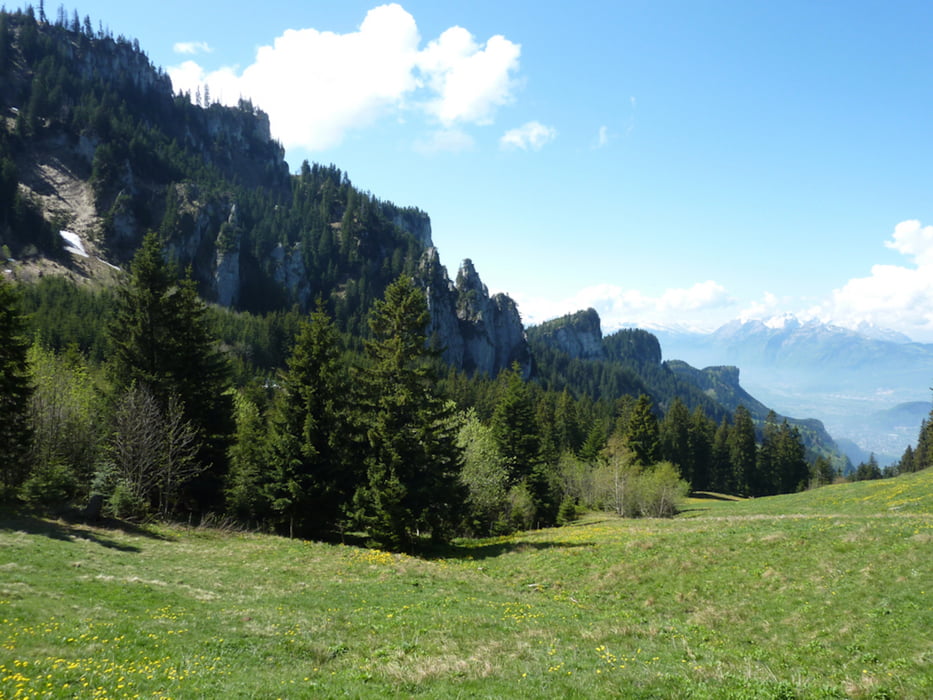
497 548
712 496
68 529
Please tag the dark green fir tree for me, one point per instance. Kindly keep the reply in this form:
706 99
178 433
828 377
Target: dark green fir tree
15 390
312 470
411 484
162 342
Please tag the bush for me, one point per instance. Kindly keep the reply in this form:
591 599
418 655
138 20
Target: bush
567 512
53 485
125 504
522 510
659 489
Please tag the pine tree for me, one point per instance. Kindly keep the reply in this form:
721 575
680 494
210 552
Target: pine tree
721 477
244 494
907 461
742 450
162 342
643 434
822 472
765 480
701 434
923 454
674 434
15 392
412 468
790 460
568 433
595 442
514 428
311 467
519 439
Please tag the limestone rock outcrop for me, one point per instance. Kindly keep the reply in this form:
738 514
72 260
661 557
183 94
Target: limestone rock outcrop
475 332
578 335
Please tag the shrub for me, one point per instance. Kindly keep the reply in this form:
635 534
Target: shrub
659 489
50 486
567 512
521 515
124 503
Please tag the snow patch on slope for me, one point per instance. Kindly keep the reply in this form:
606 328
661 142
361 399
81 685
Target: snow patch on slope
73 243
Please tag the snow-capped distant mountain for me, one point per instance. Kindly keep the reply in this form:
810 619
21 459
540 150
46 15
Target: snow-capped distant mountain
809 368
870 330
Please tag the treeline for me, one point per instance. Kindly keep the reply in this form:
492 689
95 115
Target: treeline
367 435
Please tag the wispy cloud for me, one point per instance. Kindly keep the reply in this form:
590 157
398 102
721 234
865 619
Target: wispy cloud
603 137
532 136
896 297
618 306
317 85
444 141
192 47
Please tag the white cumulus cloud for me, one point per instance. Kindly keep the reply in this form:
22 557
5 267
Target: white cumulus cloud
470 80
914 240
892 296
317 86
532 136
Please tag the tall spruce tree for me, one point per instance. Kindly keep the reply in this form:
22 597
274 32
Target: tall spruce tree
411 484
514 427
162 343
244 494
790 459
721 476
523 446
311 474
674 432
743 450
643 434
701 435
765 480
15 391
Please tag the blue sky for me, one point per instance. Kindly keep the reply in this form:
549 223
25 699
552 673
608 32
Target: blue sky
666 162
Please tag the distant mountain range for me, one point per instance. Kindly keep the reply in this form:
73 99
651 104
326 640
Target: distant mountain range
870 386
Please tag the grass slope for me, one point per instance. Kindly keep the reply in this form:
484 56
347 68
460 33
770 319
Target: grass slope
822 594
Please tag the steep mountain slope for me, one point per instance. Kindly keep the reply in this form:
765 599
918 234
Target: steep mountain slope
94 142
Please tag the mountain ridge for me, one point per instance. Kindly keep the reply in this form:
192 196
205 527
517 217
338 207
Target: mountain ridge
96 141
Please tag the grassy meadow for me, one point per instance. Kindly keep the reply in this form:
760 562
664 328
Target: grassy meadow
825 594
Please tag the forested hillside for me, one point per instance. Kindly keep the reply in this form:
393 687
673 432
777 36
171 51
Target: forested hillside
222 336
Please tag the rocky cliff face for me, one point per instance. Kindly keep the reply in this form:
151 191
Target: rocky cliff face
107 149
476 332
414 221
578 335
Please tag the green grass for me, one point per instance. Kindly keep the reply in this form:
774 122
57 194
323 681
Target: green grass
823 594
